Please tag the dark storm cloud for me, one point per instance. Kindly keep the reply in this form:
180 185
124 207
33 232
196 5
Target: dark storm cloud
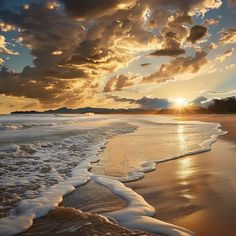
197 32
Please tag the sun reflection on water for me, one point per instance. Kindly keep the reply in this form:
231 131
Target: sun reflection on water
182 139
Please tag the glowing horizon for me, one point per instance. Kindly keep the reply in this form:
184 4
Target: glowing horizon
58 53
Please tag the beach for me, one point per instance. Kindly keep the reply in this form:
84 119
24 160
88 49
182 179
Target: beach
180 193
197 192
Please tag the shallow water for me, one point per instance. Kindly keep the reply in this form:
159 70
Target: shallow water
197 192
45 157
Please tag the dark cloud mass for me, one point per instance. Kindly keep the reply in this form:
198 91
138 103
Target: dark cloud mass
168 52
76 43
85 9
2 3
145 64
197 32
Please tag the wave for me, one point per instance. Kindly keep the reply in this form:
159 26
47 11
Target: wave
139 214
149 166
47 171
50 172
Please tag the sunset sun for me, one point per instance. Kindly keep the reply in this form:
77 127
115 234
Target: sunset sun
180 102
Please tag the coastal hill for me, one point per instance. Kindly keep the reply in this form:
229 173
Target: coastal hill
85 110
215 106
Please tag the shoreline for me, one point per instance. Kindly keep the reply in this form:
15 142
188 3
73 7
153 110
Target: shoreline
227 122
197 192
120 204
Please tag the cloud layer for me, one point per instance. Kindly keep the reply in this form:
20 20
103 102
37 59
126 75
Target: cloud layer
76 44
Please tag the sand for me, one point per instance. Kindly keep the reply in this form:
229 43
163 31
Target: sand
196 192
72 222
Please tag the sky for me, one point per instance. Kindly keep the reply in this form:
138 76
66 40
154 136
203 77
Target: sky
116 53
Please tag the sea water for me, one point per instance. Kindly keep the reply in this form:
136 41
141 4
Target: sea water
44 157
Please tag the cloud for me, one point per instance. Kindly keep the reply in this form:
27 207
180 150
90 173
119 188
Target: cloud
119 82
3 47
199 101
91 9
145 102
212 46
97 37
226 54
228 36
168 52
178 66
232 3
55 53
2 3
223 93
173 35
52 5
211 21
145 64
197 32
6 27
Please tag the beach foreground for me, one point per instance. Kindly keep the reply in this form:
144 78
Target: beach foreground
192 188
197 192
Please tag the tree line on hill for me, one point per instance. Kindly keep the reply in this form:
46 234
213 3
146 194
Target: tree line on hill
215 106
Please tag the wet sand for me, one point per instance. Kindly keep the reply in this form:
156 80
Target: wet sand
197 192
73 222
78 215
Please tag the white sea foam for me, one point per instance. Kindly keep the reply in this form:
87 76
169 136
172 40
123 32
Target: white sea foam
41 173
138 214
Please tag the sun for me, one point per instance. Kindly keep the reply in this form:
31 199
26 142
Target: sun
180 102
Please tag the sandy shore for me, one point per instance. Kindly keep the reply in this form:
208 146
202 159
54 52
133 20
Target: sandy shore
197 192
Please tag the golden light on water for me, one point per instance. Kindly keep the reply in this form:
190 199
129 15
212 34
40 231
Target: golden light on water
181 139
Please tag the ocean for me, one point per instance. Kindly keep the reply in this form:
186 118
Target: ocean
45 157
